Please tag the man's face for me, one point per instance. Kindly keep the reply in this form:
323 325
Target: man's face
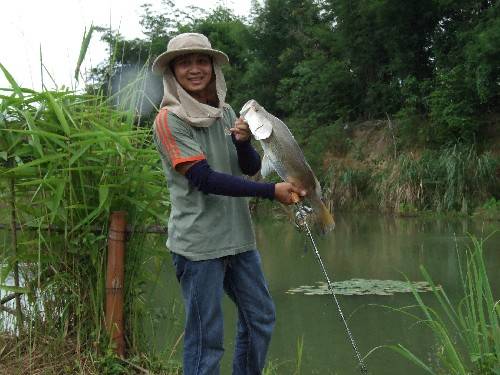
193 72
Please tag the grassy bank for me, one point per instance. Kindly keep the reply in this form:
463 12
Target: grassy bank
454 179
364 166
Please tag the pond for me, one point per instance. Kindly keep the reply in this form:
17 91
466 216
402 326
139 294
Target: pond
363 246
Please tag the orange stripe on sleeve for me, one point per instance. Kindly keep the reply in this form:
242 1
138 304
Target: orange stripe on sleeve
178 161
166 136
169 143
176 152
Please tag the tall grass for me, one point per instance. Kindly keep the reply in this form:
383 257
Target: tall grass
468 333
347 187
457 178
72 159
274 367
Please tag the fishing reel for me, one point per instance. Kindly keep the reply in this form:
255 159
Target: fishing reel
302 214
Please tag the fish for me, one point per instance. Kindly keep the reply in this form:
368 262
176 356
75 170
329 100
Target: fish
283 155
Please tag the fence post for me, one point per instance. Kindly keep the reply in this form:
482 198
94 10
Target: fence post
114 280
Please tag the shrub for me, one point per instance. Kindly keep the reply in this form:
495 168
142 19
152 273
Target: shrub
325 140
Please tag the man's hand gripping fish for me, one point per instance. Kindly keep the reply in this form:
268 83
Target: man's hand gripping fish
283 155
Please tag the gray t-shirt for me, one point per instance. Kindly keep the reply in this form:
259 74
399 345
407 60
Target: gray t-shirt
202 226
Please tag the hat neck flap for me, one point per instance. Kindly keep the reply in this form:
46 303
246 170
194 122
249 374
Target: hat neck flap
187 108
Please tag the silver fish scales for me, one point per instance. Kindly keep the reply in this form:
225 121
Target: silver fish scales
283 155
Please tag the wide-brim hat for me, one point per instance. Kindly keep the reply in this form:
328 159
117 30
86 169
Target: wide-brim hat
183 44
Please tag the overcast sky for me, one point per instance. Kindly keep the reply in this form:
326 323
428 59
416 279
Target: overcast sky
57 26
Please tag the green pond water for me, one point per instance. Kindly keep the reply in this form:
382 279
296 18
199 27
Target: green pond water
363 246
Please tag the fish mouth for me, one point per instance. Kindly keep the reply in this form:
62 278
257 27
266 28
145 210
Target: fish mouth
247 107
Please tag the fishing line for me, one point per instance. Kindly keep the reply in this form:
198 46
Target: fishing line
301 222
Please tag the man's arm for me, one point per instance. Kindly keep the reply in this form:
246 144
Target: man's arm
209 181
248 159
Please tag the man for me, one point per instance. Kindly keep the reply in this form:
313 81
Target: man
205 151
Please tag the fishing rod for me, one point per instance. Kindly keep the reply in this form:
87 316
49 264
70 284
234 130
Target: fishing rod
301 222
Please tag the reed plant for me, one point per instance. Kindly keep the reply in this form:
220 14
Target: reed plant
467 333
72 158
346 186
456 178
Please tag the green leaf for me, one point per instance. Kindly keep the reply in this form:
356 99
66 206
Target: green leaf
47 134
14 289
103 195
79 153
83 49
118 137
39 161
12 82
87 220
409 355
59 113
56 199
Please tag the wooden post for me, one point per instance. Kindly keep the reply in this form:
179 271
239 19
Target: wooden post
114 280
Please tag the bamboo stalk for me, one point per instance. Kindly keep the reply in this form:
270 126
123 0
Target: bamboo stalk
7 298
114 280
13 220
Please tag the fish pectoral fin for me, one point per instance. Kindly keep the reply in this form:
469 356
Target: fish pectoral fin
267 166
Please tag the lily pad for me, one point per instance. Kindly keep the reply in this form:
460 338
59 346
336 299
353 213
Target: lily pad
362 287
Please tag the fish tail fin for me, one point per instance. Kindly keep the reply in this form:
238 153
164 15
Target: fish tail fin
324 219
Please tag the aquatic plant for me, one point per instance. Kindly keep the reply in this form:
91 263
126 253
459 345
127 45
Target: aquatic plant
468 333
360 287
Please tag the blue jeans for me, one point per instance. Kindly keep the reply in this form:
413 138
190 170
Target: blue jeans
203 283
